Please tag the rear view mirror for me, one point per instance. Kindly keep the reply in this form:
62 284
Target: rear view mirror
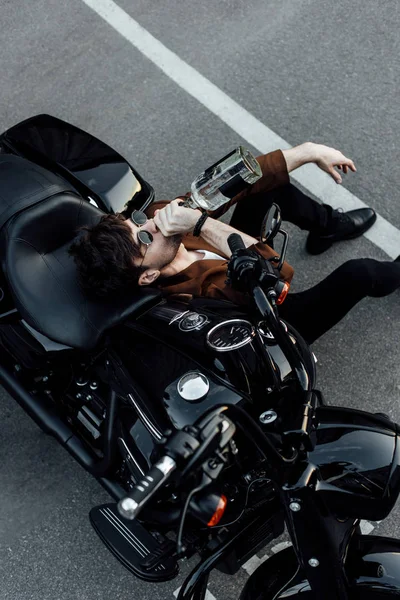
271 224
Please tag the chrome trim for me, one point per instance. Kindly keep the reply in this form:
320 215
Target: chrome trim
166 464
91 414
248 340
165 312
124 531
203 321
129 455
151 428
86 423
81 383
265 331
127 507
178 316
193 386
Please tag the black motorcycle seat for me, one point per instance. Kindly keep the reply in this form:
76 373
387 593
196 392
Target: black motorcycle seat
24 184
43 277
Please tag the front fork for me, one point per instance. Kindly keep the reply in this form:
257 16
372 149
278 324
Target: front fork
320 540
195 585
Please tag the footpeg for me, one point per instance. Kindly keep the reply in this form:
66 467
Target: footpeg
158 556
132 545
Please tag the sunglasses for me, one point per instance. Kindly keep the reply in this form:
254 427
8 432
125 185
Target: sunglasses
139 218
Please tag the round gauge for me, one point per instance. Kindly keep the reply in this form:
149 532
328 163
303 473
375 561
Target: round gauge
230 335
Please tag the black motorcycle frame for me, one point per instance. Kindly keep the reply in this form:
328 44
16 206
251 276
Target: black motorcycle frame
326 540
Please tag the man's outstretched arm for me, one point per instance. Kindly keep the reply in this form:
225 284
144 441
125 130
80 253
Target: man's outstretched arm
326 158
277 165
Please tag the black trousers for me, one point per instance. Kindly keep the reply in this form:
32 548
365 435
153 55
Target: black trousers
296 207
314 311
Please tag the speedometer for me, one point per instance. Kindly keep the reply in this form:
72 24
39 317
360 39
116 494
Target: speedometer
230 335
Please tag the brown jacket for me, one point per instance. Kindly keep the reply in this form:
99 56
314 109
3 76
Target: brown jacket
208 277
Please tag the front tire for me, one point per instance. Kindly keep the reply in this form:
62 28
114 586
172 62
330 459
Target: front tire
280 577
272 577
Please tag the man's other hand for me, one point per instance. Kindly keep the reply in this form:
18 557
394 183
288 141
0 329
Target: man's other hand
173 219
328 158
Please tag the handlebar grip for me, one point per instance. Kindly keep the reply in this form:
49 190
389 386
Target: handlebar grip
235 243
130 506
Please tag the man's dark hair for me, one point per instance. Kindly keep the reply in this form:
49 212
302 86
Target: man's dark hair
104 257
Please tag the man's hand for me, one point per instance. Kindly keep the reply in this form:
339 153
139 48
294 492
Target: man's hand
173 219
325 157
329 158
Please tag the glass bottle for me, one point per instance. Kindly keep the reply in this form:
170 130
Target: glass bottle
223 180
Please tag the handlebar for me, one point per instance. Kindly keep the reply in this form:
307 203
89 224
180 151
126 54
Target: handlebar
186 451
235 243
251 273
265 307
214 432
158 475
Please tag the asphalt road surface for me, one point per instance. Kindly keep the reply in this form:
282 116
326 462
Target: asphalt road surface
308 70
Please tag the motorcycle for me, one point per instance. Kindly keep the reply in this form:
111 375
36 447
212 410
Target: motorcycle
201 420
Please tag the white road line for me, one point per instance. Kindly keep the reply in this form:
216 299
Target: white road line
366 527
280 546
209 595
383 234
253 563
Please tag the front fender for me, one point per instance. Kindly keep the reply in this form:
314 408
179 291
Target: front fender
273 576
372 566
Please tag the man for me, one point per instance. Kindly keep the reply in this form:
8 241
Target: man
184 252
325 225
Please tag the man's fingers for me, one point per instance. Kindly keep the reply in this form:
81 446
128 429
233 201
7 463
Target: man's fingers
157 221
335 175
161 222
343 165
329 160
348 164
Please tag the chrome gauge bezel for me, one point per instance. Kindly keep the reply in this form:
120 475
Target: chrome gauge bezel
203 320
244 342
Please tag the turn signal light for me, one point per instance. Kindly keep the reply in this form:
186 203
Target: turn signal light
218 514
284 293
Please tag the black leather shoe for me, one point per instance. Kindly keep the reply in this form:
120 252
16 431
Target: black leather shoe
342 226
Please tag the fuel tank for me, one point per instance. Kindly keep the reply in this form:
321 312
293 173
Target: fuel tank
191 358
